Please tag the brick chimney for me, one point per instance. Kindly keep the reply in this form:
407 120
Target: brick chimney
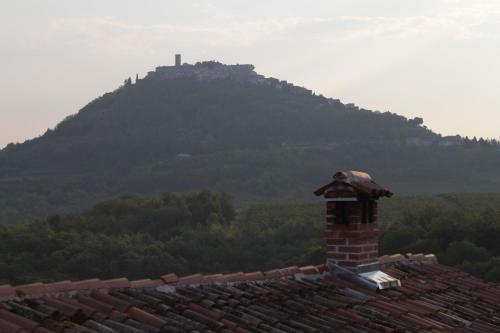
351 219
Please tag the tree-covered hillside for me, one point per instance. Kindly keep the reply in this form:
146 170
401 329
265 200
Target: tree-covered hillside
154 120
257 142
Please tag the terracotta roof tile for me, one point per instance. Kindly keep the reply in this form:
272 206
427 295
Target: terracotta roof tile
240 276
145 317
309 270
115 283
14 319
117 303
431 258
145 283
9 327
392 259
214 278
95 304
59 286
272 274
6 291
31 289
322 268
87 284
254 276
191 279
170 278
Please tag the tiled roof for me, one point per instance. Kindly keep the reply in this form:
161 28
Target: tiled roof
433 298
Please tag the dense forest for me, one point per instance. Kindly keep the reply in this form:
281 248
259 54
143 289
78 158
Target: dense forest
256 142
203 232
149 236
252 176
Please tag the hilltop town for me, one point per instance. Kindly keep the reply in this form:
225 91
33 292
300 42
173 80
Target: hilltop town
214 70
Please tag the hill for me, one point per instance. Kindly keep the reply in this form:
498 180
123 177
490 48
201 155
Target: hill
212 126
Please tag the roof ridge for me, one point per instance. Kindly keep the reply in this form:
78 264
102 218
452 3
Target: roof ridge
39 289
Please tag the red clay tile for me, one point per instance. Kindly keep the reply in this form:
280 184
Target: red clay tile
272 274
234 277
60 286
145 317
289 271
117 303
115 283
214 278
431 258
17 320
72 301
416 257
309 270
322 268
254 276
90 284
146 283
69 310
204 311
6 291
241 330
191 279
7 327
398 258
95 304
229 324
170 278
31 289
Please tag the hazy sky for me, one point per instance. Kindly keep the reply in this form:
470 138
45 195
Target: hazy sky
436 59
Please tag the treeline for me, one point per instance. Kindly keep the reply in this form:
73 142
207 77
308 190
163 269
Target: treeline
141 237
150 236
464 238
485 142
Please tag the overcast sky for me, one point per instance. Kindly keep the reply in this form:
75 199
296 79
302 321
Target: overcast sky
436 59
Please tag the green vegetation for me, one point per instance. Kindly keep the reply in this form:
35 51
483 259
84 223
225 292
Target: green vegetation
150 236
142 237
255 142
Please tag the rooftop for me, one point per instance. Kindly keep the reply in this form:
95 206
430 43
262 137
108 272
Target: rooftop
432 298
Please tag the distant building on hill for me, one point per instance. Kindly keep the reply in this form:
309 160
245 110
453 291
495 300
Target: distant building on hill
352 106
182 156
213 70
205 71
452 140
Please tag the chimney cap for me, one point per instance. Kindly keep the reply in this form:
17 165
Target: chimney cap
361 182
357 176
